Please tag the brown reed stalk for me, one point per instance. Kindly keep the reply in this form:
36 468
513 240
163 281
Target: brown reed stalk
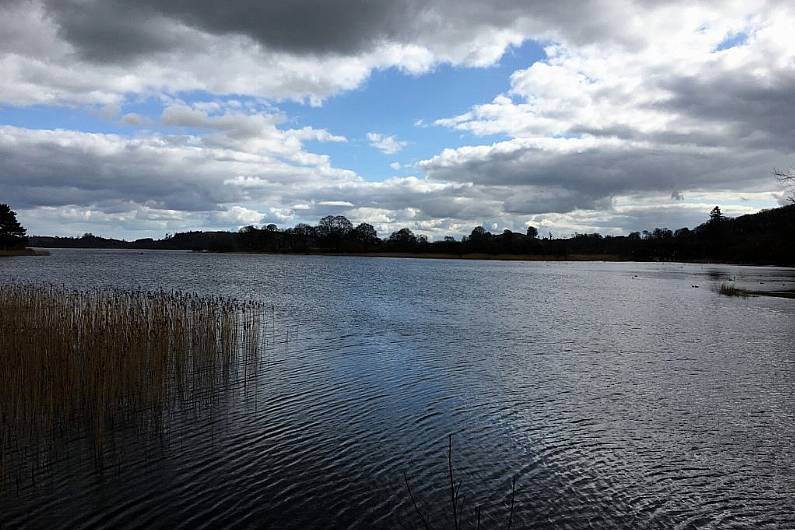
88 361
456 501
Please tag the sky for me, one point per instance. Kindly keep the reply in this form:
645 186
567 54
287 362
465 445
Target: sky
137 119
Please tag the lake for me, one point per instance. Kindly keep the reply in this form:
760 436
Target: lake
616 395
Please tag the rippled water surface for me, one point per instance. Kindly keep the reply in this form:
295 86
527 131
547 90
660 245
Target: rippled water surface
617 395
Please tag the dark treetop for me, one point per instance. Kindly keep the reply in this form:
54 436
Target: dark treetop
12 234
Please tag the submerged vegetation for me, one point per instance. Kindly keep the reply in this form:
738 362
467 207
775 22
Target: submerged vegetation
80 363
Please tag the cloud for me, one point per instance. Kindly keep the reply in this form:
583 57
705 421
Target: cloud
665 112
67 182
634 101
92 51
237 215
603 166
134 120
344 204
248 132
318 135
70 182
386 144
187 173
100 51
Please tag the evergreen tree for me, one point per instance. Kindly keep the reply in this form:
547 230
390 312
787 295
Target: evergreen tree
12 234
716 216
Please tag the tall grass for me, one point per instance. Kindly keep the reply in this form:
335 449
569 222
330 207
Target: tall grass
80 362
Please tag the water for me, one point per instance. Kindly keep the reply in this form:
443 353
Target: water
617 395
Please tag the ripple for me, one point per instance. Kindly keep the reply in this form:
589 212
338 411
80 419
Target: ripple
611 411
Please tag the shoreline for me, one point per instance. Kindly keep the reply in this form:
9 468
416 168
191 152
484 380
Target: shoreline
438 255
608 258
475 256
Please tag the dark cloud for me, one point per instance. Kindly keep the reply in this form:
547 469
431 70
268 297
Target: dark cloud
300 26
113 31
758 111
55 170
117 30
564 179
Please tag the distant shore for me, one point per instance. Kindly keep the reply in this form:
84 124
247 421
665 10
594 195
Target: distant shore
477 256
439 255
490 257
436 255
501 257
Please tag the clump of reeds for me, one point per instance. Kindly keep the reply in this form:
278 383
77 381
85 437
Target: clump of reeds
87 360
729 289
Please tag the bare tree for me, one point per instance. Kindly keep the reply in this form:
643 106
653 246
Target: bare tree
787 178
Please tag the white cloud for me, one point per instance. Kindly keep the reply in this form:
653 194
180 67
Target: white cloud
318 135
249 132
386 144
662 112
345 204
238 215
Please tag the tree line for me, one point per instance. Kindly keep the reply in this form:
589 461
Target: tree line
763 237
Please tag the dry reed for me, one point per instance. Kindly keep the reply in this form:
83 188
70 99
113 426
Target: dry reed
457 507
81 362
729 289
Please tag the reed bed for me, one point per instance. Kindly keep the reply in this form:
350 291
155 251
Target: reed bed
79 363
729 289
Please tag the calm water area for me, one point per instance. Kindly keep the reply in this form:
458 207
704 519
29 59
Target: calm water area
618 395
